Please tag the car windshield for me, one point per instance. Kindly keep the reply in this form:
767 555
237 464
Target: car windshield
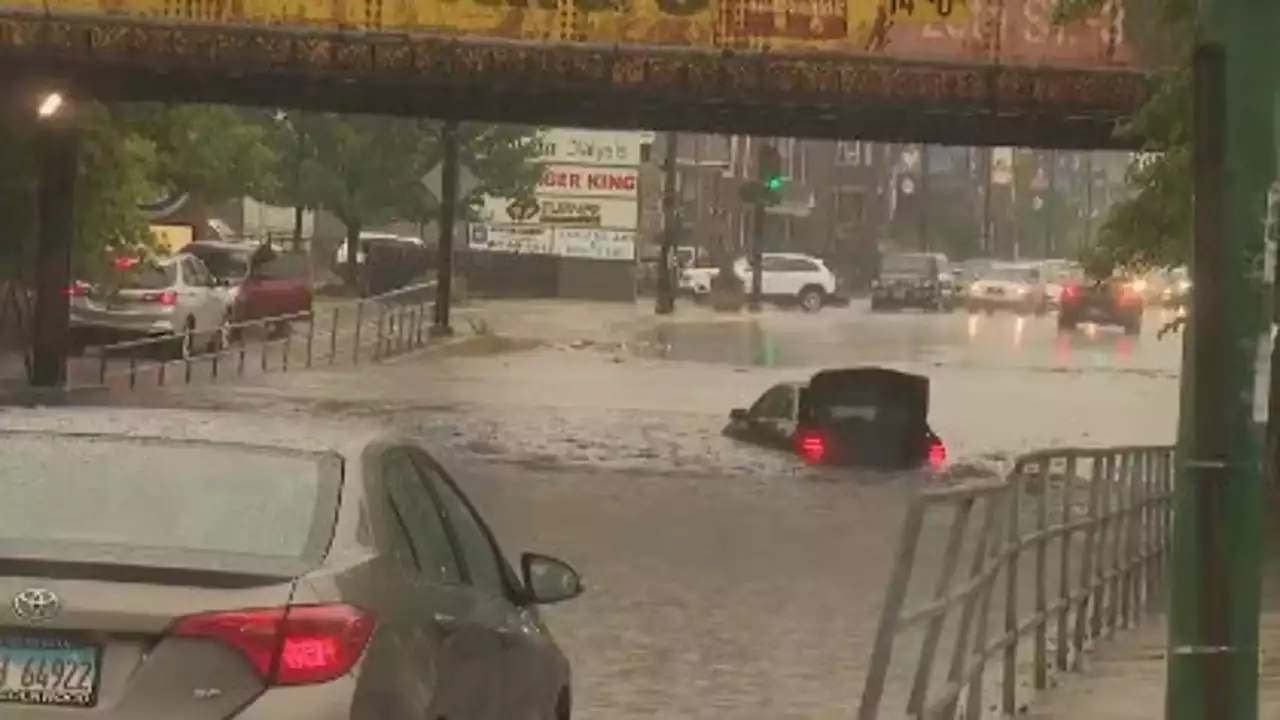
224 264
146 276
913 264
147 496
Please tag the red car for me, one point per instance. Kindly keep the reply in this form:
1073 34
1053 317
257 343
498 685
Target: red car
266 282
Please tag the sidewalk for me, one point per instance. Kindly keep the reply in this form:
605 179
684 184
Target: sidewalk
1125 679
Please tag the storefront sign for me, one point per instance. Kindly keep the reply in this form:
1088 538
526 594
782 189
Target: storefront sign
594 244
588 181
608 213
591 147
521 239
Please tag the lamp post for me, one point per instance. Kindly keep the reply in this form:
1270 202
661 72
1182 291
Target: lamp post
51 336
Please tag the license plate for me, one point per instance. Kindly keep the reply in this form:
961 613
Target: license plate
899 292
1095 313
48 671
995 291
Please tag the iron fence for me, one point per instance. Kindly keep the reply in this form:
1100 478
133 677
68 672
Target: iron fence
355 331
1097 521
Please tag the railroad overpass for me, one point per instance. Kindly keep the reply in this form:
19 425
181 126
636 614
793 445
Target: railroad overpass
997 74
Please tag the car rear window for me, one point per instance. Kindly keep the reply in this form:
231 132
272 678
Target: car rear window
224 264
146 276
180 498
286 266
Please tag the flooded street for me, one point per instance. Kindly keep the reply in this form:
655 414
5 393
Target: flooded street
725 581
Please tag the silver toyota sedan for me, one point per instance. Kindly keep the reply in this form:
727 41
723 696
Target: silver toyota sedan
159 564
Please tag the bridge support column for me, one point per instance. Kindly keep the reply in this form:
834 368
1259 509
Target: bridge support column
1219 493
56 208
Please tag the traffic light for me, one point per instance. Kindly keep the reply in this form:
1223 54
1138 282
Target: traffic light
770 170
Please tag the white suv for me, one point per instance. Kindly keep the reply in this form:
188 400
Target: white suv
785 278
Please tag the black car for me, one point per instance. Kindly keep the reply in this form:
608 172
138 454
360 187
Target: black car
1113 301
913 280
864 417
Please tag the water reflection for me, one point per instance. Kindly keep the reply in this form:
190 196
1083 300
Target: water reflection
976 325
1019 326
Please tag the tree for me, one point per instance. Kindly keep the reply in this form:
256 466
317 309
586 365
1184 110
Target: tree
369 169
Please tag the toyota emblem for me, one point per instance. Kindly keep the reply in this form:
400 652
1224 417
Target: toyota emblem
36 605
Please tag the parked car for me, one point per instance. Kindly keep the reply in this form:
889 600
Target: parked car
785 279
1018 287
173 297
913 280
865 417
265 282
1113 301
196 565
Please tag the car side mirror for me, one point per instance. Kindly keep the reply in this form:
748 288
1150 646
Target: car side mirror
738 414
549 580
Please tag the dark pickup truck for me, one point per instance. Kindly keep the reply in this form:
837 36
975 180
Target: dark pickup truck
913 280
1108 302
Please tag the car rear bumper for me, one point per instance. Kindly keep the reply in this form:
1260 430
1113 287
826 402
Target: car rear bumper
1005 302
909 296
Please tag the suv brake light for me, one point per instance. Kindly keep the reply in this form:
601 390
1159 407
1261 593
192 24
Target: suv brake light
937 454
296 645
812 446
77 289
168 298
1070 291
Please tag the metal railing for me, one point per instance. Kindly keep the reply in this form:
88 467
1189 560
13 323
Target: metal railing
368 329
1096 525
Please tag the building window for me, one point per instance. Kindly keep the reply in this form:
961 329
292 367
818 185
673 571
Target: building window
855 153
850 206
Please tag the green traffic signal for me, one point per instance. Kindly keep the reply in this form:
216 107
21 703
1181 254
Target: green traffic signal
773 182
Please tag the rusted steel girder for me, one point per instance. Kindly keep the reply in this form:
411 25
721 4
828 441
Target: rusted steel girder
815 95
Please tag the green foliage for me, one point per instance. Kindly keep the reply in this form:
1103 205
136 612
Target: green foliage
1152 228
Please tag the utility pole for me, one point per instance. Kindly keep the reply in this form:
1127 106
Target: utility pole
922 200
450 169
762 193
988 241
51 332
1212 670
1050 216
666 301
1088 199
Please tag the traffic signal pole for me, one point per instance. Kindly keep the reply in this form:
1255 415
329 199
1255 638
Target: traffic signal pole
665 303
1212 671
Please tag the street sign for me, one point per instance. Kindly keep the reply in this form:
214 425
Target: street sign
433 181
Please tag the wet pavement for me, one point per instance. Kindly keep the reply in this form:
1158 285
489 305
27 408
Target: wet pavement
725 581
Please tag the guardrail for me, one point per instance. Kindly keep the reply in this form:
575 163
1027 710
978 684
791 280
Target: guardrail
368 329
1116 501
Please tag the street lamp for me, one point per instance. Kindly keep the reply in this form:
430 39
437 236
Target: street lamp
51 105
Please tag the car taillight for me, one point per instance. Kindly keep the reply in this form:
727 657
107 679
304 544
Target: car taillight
168 298
1069 291
297 645
77 289
937 454
812 446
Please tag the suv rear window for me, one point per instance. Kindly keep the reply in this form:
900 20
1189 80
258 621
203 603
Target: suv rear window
224 264
146 276
915 264
152 497
286 266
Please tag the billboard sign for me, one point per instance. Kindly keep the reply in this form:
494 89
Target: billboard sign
574 146
522 239
588 181
610 213
595 244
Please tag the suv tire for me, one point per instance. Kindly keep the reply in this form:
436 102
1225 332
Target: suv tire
1066 322
811 298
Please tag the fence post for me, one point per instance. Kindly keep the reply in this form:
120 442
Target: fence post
311 336
1088 558
1012 557
960 650
1041 641
1099 580
929 647
355 354
973 703
1064 565
333 338
1117 529
882 650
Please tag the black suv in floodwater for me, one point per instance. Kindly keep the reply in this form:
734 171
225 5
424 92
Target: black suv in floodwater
913 280
1114 301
